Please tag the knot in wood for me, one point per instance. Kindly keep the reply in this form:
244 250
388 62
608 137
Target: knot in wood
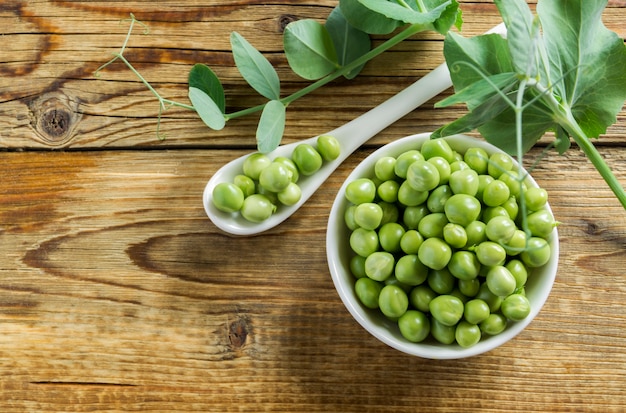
54 117
284 20
238 333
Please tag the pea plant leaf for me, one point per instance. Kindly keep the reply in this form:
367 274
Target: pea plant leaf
309 49
271 126
350 42
367 20
254 67
207 109
203 78
570 79
410 12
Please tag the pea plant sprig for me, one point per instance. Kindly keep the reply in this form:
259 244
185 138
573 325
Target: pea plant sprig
314 51
560 71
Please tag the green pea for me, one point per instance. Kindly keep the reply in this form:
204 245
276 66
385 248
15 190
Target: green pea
228 197
390 235
476 311
246 184
291 166
307 159
437 147
483 181
432 225
368 292
270 195
541 223
290 195
516 244
328 147
458 294
441 332
257 208
388 191
368 215
404 160
421 296
511 178
410 270
434 253
537 253
462 209
496 193
411 241
500 229
254 164
360 191
408 196
464 181
498 164
511 207
364 242
393 301
515 307
412 215
348 217
455 235
485 294
414 326
477 159
441 281
379 265
476 233
469 288
466 334
275 177
384 168
490 213
443 167
535 198
519 271
390 212
464 265
494 324
500 281
458 165
438 198
447 309
422 176
490 253
357 266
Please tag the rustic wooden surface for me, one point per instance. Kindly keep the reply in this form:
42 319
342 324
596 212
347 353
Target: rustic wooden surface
118 294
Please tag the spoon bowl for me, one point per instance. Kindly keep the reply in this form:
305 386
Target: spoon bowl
350 136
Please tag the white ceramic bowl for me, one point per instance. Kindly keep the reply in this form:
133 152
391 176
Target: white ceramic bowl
538 287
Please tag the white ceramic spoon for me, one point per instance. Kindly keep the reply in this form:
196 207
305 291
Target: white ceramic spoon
350 136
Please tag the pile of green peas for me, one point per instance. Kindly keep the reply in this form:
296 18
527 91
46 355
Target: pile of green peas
444 242
264 184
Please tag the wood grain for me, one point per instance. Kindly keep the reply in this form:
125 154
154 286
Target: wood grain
118 294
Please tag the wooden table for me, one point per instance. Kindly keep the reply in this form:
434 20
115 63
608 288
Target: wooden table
118 294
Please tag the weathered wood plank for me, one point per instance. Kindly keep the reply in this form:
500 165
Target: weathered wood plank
52 49
116 292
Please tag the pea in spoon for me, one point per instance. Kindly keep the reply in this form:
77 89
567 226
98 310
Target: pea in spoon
350 136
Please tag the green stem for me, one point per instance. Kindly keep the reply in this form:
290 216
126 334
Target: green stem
406 33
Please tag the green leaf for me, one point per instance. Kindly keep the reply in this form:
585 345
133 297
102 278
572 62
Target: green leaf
480 90
309 49
589 58
468 58
405 13
207 109
255 68
451 16
271 126
350 42
203 78
522 34
366 19
562 142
